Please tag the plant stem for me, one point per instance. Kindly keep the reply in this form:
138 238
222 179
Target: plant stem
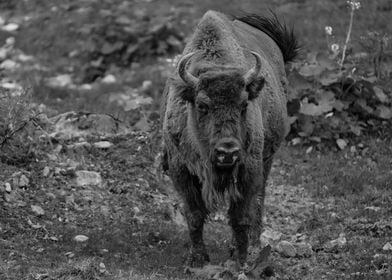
350 27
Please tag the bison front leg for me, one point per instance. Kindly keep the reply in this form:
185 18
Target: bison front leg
197 254
240 222
195 213
243 215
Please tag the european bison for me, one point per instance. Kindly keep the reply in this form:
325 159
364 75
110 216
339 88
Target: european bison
224 116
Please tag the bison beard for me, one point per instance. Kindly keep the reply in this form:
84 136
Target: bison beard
218 182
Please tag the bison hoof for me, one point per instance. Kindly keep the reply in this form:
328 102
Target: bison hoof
197 258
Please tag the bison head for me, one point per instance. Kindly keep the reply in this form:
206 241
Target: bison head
219 98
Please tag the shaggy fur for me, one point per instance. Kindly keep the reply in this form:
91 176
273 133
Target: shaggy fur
279 32
222 106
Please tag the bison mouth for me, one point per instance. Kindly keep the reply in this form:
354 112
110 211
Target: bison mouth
226 161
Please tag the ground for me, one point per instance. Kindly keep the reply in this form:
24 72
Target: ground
124 220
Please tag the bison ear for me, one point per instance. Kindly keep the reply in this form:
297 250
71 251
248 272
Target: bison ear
255 87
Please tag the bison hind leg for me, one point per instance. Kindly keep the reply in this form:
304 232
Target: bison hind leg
197 257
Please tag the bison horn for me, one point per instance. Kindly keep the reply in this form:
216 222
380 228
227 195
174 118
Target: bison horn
252 73
187 77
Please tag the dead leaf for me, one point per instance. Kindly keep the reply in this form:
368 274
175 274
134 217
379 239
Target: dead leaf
37 210
387 247
383 112
381 96
81 238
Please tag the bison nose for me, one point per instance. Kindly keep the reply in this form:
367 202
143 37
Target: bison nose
227 152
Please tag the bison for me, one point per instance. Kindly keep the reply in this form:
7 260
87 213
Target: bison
223 118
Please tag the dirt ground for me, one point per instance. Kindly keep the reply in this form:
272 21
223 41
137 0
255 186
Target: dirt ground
98 207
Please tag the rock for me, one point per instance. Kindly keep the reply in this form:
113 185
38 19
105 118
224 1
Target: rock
109 79
81 238
24 57
387 247
10 41
146 85
8 188
208 271
336 243
80 146
37 210
69 255
75 125
9 64
286 249
84 177
86 87
46 171
103 144
341 143
242 276
23 181
304 249
269 237
10 27
63 80
3 53
373 208
102 268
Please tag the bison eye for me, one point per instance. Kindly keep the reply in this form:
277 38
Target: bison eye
202 108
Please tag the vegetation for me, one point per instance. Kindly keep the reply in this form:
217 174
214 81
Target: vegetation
81 194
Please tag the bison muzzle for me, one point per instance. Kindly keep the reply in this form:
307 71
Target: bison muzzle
223 118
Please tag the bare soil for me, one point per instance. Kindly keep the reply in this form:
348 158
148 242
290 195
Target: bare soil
133 218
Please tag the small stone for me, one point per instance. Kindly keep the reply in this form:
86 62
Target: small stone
304 249
54 238
242 276
286 249
373 208
270 235
102 268
341 143
387 247
336 243
8 64
37 210
8 188
3 53
69 255
86 87
109 79
23 181
10 27
80 238
46 171
24 57
146 85
103 145
79 146
84 177
62 80
10 41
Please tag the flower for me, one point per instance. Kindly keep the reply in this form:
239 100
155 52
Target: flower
328 30
335 48
354 4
